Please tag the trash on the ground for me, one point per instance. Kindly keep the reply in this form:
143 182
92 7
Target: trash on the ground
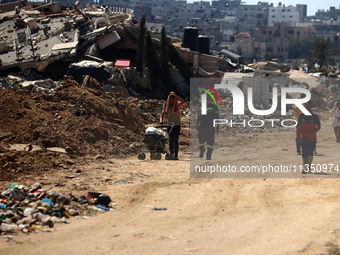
103 208
159 209
95 198
33 209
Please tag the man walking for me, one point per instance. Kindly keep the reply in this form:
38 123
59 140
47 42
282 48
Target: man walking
308 126
206 129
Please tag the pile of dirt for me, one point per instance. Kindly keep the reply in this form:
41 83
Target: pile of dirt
150 110
83 120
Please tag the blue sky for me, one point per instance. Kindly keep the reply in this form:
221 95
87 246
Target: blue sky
312 5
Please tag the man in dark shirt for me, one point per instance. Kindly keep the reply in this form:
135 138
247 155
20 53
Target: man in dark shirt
308 126
206 129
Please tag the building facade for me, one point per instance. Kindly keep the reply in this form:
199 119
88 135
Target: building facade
288 14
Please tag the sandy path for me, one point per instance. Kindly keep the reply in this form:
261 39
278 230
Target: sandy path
203 216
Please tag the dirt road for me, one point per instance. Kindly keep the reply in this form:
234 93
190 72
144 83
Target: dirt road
203 216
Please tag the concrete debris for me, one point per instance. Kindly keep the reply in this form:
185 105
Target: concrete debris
99 71
108 40
90 82
42 34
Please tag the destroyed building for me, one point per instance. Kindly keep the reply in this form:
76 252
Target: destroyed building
47 38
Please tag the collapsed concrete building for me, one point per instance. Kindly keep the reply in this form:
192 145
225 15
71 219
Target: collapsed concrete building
37 35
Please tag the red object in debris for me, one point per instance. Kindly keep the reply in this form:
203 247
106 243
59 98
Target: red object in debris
122 63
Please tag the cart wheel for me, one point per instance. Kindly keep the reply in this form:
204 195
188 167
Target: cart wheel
168 156
152 156
158 156
141 156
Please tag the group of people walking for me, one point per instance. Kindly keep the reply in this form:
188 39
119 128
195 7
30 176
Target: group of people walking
306 131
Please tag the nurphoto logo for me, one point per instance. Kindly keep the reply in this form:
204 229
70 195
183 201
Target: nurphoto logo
238 105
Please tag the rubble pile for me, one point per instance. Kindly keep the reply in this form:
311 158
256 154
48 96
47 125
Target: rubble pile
35 36
325 90
77 120
30 81
32 209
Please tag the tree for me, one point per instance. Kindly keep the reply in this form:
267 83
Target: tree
140 45
152 61
165 77
182 66
320 53
299 49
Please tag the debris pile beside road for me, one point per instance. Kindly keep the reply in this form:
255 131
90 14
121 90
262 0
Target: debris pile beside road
81 120
32 209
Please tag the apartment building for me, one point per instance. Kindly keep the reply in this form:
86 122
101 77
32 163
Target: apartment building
225 5
289 14
255 14
282 30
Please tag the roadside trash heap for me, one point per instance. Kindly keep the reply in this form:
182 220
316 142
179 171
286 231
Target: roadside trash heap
30 209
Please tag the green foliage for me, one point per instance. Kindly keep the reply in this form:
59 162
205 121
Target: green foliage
296 68
159 67
165 77
321 52
134 79
152 61
320 70
182 66
299 49
268 57
140 45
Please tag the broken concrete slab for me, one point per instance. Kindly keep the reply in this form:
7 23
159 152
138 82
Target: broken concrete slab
99 71
65 46
32 25
108 40
57 149
16 77
24 147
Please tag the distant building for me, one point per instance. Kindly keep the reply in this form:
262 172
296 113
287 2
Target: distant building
277 48
302 9
245 44
255 14
154 27
328 31
224 5
283 30
140 11
289 14
332 13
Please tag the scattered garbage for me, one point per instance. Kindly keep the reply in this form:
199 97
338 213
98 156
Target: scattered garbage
32 208
159 209
95 198
103 208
